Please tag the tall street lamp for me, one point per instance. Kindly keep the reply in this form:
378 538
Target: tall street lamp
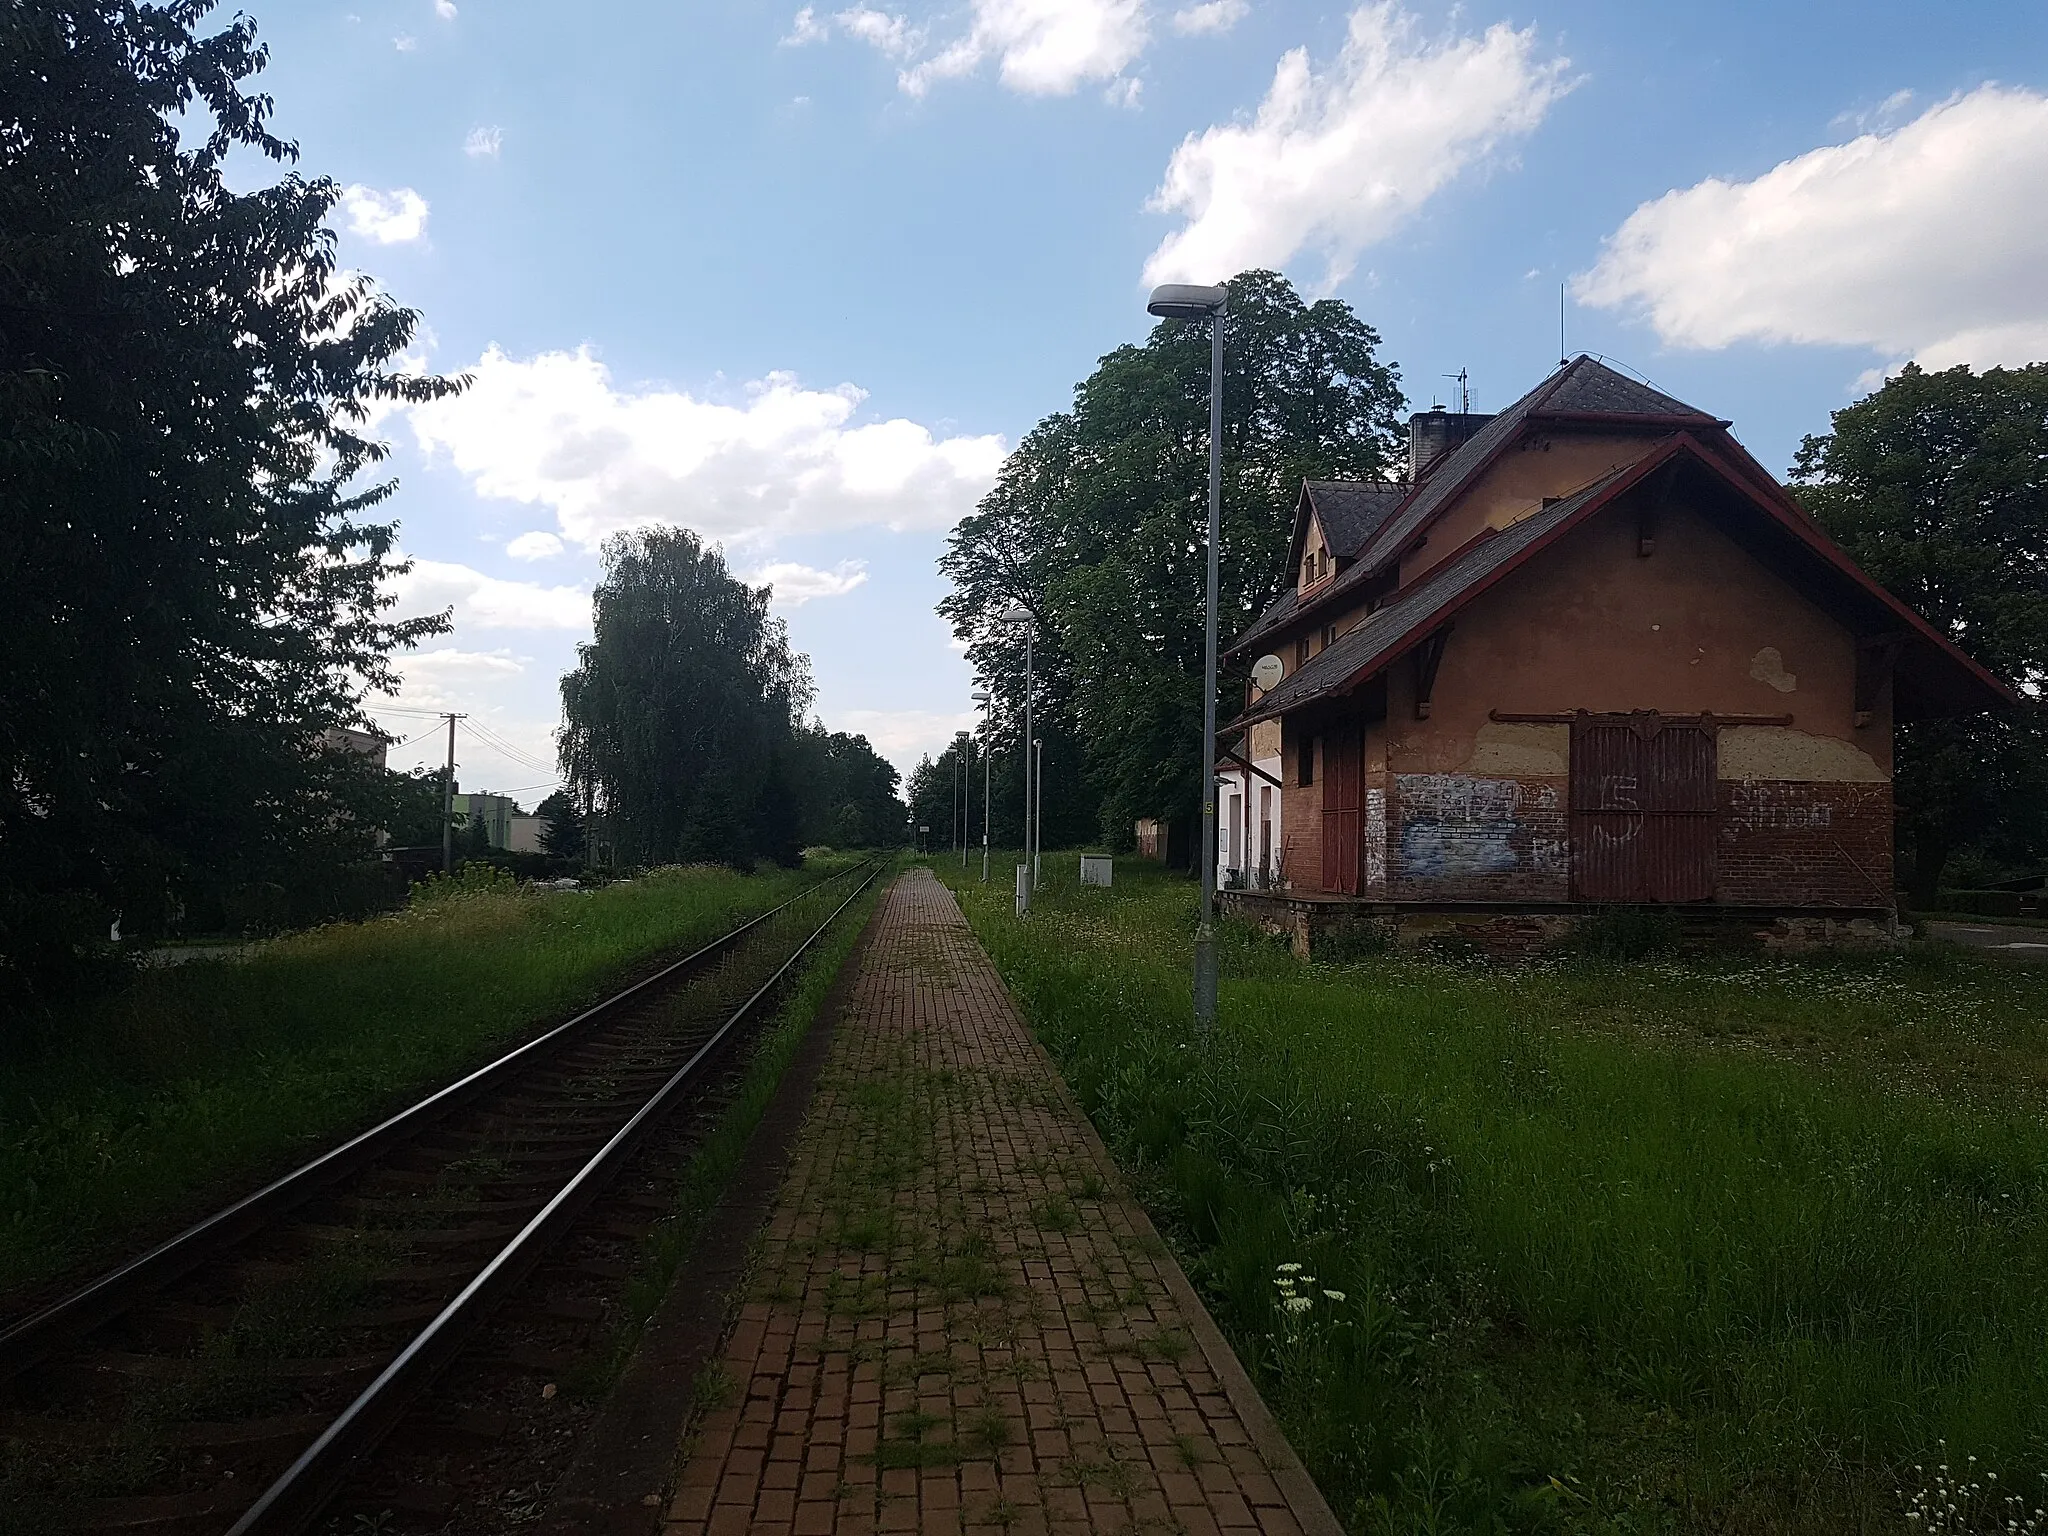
988 757
1017 613
1188 301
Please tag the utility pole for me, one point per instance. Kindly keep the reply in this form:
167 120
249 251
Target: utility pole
448 800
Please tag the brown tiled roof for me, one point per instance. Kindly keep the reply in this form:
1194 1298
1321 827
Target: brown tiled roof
1583 388
1934 677
1352 511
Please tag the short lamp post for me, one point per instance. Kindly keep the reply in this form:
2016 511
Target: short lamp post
988 755
1017 613
1186 301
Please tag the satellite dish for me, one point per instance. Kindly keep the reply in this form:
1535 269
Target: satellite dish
1267 672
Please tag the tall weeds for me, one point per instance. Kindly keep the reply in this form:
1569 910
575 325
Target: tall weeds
1683 1264
142 1107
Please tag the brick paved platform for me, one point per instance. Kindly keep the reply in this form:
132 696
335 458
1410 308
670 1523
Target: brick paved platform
959 1321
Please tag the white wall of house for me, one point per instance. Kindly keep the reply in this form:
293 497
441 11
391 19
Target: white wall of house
1248 838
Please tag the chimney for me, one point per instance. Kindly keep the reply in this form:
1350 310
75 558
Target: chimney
1435 432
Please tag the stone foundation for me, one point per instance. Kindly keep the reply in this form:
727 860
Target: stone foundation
1320 925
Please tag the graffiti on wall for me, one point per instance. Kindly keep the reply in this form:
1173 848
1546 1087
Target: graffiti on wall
1454 826
1375 837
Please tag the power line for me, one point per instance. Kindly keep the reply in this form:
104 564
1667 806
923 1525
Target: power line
492 739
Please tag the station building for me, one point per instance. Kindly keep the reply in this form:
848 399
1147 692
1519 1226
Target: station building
1588 652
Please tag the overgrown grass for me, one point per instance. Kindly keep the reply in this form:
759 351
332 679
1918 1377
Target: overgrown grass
1722 1244
196 1080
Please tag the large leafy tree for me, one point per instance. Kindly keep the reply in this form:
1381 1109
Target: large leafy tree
681 716
1937 484
1098 522
847 790
190 570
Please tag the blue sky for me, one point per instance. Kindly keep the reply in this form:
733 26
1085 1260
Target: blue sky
799 277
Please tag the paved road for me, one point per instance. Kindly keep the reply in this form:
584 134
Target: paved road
2007 939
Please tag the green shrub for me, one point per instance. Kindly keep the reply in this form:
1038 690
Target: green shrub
1625 933
1982 903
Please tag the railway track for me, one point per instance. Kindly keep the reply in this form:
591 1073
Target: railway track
248 1374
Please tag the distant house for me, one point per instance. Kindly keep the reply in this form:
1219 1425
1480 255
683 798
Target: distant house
343 738
501 818
1588 652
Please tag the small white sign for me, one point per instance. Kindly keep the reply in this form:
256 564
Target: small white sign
1095 869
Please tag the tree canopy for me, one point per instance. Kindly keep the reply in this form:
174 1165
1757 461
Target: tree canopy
1937 485
1098 525
684 723
190 569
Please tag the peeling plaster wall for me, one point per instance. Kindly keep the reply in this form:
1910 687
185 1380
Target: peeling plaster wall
1589 624
1781 752
1548 464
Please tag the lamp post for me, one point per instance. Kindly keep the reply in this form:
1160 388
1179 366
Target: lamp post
963 751
1017 613
1037 812
988 757
1187 301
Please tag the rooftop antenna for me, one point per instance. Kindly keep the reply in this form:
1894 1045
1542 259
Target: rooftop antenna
1563 356
1464 393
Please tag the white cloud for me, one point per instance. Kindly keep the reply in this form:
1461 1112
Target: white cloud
489 602
483 143
405 42
554 430
892 35
1929 242
1338 159
534 546
445 9
903 735
806 28
1124 92
796 584
1883 115
389 218
1041 47
1212 16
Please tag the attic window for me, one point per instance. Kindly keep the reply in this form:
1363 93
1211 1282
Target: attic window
1301 652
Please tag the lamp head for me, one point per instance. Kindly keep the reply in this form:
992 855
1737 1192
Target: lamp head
980 695
1016 613
1186 301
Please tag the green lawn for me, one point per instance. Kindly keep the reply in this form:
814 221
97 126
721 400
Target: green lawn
1725 1244
193 1082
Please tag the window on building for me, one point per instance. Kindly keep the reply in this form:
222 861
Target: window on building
1301 651
1329 634
1305 760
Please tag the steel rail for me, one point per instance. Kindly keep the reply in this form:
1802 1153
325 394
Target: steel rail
298 1495
33 1338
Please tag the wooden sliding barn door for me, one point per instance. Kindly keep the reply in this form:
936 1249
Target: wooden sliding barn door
1343 807
1642 809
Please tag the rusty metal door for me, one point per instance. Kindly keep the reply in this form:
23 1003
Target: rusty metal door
1343 807
1642 809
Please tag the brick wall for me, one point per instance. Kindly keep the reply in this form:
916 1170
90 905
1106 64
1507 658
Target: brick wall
1451 837
1301 820
1781 843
